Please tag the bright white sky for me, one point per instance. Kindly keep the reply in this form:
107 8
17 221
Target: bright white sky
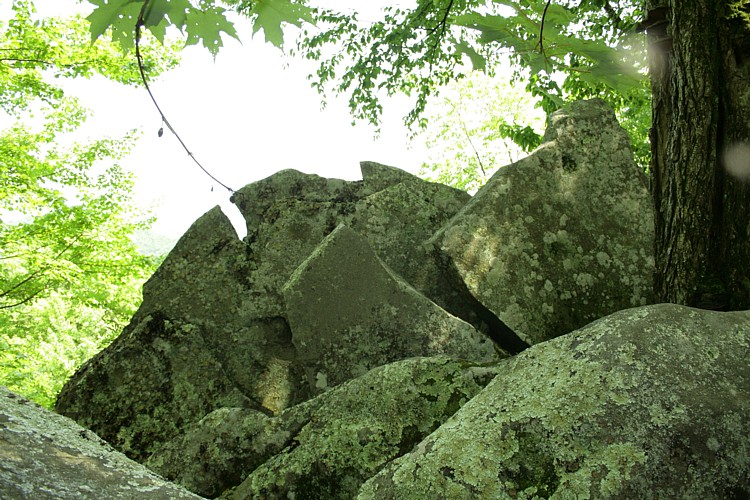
243 116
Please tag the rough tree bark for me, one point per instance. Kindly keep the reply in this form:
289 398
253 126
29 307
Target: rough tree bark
699 61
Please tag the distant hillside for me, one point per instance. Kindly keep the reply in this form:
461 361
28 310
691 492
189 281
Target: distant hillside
150 243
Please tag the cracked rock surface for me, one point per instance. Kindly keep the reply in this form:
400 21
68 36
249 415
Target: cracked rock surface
231 323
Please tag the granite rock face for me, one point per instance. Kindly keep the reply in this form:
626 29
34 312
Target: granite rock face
563 236
289 214
47 456
650 402
370 316
200 280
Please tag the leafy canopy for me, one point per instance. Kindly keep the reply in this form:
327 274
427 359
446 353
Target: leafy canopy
562 49
69 275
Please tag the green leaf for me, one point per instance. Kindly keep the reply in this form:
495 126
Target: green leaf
613 76
271 14
478 62
536 61
558 17
105 15
159 10
493 28
120 16
160 30
206 26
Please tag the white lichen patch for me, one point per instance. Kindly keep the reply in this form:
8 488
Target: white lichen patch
321 381
603 259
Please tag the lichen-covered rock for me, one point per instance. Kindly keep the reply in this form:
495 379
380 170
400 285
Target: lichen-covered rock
650 402
219 451
191 347
201 279
48 456
289 213
349 313
563 236
350 432
156 378
377 177
256 199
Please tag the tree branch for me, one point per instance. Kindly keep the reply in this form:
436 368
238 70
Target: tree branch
22 302
541 30
30 277
441 28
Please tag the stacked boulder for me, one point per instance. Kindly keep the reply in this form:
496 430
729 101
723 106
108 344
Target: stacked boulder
364 339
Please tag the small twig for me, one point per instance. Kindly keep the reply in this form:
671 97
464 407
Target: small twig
30 277
22 302
442 27
541 28
471 143
139 24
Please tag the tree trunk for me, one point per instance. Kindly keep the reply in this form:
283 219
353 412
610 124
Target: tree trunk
699 61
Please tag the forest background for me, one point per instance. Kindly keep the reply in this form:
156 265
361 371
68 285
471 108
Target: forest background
70 272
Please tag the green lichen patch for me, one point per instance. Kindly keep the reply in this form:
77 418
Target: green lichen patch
220 450
149 385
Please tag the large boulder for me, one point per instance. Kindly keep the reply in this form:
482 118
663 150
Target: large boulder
188 350
289 213
563 236
651 402
158 376
48 456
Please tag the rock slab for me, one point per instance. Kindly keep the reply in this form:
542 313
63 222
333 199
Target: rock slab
563 236
47 456
350 313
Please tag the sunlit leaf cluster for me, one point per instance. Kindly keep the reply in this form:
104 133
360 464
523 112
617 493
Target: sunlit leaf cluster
69 274
408 51
561 49
479 125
